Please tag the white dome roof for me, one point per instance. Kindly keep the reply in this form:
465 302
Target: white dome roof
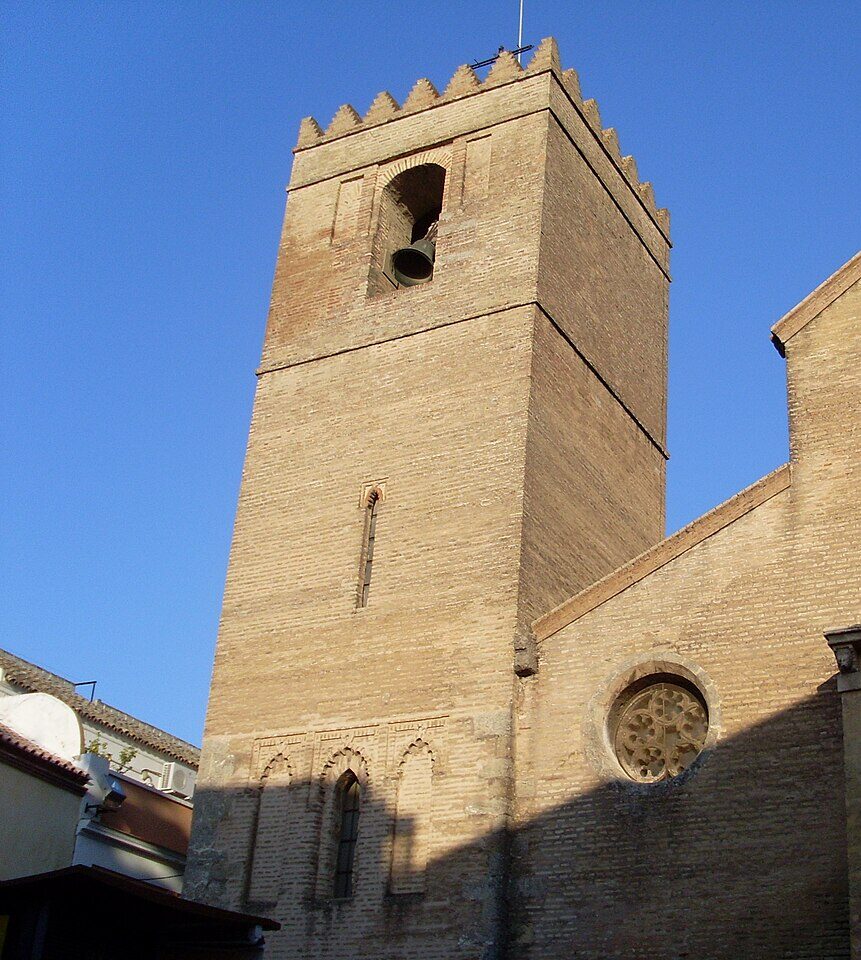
47 721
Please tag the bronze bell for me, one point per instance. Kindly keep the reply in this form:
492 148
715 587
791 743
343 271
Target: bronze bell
414 264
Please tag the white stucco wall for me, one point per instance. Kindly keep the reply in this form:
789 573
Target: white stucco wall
101 847
37 824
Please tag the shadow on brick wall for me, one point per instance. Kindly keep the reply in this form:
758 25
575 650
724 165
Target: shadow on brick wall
742 858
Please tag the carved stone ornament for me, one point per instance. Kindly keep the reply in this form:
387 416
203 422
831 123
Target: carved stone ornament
847 658
660 732
846 645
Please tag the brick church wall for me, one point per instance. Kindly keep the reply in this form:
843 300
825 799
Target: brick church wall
745 854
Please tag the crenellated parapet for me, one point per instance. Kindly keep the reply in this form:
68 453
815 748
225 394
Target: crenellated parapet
463 83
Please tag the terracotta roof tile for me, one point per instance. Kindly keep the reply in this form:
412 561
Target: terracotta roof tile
33 679
11 738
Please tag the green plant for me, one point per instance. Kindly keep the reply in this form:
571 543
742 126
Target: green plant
99 747
127 754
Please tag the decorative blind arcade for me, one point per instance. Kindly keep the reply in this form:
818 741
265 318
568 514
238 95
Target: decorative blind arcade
272 833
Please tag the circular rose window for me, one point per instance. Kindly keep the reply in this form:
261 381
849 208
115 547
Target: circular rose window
659 729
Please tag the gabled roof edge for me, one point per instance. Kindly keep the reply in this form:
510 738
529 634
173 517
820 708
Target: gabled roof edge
662 553
815 302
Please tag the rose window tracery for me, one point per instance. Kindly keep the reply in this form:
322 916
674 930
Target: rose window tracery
659 731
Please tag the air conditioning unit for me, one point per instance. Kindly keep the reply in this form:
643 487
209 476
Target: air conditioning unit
178 780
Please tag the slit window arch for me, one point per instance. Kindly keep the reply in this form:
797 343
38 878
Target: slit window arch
366 566
348 806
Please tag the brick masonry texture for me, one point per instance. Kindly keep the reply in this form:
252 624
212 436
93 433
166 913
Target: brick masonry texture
512 414
705 866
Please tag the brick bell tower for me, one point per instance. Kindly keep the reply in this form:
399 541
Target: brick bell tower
459 422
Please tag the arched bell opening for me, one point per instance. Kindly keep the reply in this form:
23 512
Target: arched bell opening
405 243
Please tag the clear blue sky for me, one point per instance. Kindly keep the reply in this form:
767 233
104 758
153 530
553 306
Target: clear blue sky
145 150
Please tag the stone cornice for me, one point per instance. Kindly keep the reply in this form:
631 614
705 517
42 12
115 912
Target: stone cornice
845 644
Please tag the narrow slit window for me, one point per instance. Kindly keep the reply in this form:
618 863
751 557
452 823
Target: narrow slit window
368 548
348 796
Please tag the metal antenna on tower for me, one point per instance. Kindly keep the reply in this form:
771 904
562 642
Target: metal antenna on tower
520 32
517 53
